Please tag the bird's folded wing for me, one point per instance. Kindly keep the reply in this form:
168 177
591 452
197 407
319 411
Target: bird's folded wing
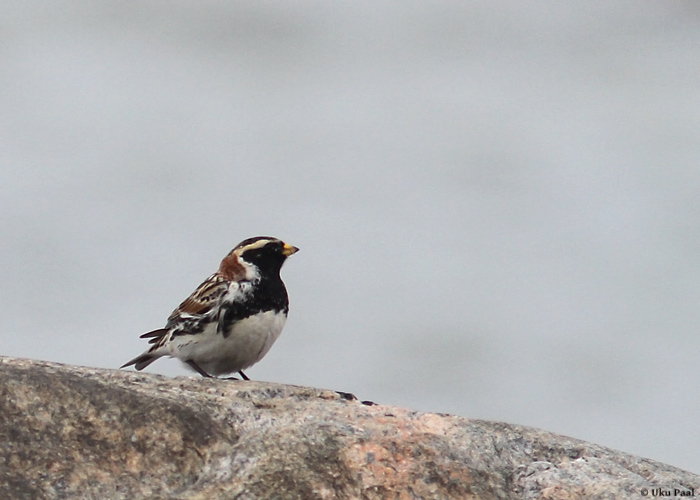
206 296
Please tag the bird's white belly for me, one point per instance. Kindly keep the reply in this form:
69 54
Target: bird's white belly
246 344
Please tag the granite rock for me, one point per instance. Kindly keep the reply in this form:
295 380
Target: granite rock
84 433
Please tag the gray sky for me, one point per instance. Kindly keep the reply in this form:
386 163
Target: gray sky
496 202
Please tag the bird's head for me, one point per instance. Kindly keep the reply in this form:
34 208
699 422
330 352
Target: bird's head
256 256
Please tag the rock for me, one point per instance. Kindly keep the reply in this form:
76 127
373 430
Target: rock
75 432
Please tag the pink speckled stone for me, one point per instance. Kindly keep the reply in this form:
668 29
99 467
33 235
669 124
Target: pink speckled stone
82 433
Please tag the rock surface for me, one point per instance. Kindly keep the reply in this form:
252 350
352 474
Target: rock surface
74 432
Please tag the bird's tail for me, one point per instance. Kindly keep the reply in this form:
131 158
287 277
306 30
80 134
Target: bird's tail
148 357
142 361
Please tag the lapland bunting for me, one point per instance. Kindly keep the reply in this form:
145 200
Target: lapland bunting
232 319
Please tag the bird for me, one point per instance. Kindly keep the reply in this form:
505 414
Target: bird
231 320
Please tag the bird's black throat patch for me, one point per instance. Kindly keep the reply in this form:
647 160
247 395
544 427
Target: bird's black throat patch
269 294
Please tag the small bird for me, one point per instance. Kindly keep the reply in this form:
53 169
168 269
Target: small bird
232 319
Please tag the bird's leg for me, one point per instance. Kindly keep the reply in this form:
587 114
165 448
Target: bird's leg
198 369
243 375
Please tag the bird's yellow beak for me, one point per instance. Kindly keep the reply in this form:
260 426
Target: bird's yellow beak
288 250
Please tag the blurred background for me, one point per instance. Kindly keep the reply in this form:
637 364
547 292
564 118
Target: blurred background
497 203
